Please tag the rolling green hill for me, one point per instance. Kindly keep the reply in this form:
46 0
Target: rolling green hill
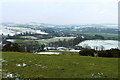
29 65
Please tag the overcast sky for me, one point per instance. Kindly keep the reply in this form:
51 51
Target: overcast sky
60 11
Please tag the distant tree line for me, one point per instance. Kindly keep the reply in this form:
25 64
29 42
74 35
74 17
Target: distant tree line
31 47
103 53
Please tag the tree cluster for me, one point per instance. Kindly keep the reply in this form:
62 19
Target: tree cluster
11 47
109 53
102 53
87 52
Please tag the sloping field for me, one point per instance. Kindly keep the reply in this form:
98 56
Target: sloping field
45 41
17 30
29 65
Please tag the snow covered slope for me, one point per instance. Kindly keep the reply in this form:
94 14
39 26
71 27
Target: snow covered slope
5 30
107 44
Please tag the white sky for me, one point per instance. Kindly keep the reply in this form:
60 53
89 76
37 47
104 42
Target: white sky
59 0
60 11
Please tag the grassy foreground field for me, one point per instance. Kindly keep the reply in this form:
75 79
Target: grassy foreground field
29 65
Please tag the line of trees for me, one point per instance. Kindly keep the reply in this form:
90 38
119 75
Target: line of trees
31 47
102 53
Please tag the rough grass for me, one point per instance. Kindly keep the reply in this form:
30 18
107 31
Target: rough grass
59 66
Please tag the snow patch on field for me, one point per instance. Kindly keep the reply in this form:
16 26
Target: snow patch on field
74 50
48 53
21 65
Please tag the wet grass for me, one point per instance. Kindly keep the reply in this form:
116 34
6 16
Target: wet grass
58 66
